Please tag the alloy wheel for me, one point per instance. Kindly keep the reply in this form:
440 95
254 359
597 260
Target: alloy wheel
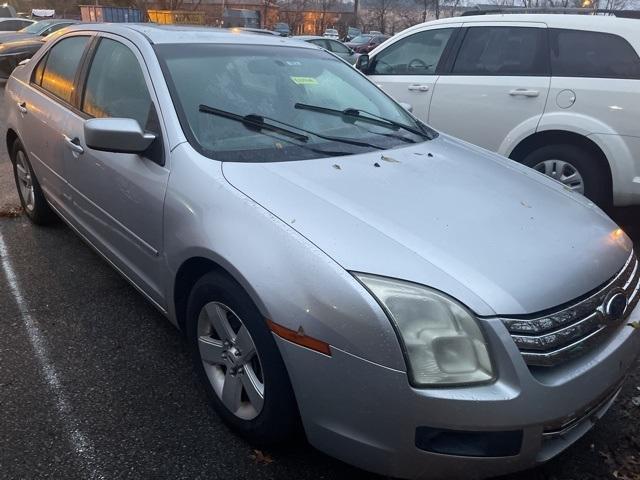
564 172
25 182
231 360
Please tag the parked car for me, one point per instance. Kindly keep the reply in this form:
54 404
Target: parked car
352 32
566 105
425 307
7 11
335 46
331 33
37 29
14 24
282 29
366 42
12 53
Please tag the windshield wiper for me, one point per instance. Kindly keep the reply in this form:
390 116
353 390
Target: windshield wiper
257 122
371 118
253 122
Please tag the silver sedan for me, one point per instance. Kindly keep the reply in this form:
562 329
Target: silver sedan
423 308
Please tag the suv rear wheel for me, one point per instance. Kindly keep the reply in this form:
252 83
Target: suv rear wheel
576 168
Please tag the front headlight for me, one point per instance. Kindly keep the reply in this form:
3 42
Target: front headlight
442 341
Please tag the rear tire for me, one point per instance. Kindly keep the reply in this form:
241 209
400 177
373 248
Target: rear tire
31 196
223 325
574 165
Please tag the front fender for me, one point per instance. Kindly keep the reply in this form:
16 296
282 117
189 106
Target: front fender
291 281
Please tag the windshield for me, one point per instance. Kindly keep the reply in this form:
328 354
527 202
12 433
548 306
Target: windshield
362 39
36 28
249 103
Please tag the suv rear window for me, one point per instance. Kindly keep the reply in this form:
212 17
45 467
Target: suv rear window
577 53
497 51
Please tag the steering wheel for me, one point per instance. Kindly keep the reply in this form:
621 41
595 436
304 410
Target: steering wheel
416 64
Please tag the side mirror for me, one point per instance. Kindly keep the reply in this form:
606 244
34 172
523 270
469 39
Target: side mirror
407 107
362 63
118 135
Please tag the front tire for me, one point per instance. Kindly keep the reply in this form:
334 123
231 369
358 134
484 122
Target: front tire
31 196
575 167
237 359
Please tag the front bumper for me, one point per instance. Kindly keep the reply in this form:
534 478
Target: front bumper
367 415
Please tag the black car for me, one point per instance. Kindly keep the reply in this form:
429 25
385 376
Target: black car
36 30
12 53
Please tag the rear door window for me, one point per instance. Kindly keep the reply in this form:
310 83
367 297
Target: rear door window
56 72
321 43
503 51
578 53
9 26
417 54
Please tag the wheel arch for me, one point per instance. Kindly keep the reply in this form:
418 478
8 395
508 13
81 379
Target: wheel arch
190 271
562 137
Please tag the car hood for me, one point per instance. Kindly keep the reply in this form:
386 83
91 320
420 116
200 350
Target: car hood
13 36
499 237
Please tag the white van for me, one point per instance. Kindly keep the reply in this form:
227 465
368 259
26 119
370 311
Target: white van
559 93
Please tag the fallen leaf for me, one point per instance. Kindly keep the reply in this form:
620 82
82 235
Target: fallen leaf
260 457
10 211
337 167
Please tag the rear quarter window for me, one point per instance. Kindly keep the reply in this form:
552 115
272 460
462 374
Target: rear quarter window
578 53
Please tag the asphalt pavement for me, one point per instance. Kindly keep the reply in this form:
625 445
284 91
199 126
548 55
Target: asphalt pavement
94 383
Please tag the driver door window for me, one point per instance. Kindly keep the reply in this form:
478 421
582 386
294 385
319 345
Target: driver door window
116 86
406 69
417 54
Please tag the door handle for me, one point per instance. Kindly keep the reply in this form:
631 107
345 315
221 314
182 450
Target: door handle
22 107
418 88
73 145
523 92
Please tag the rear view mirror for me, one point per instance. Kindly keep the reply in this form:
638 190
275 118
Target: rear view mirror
362 63
118 135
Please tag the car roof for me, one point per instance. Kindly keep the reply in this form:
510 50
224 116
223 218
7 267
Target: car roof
579 22
308 37
171 34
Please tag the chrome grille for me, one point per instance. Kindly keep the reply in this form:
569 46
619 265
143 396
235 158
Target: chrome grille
552 339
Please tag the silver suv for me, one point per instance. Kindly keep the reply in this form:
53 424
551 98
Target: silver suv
424 307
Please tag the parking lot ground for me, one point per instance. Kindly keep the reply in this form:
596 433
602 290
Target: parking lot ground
94 383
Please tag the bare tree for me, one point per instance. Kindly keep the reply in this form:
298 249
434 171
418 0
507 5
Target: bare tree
292 12
377 14
325 7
